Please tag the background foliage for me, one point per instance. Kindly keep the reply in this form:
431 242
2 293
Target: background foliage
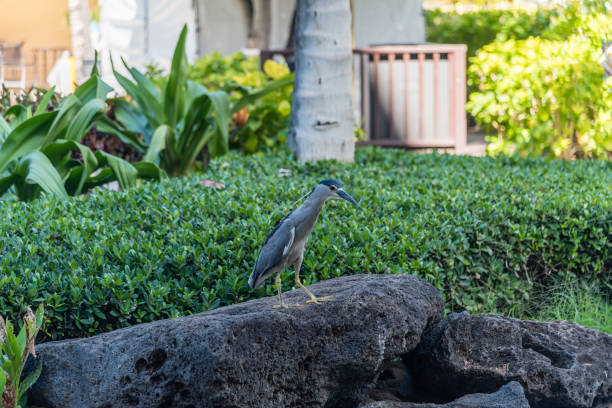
263 124
534 77
543 98
483 230
479 28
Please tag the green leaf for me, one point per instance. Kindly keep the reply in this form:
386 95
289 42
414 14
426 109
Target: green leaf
82 121
29 381
6 183
219 143
132 118
125 173
42 106
19 114
2 380
37 169
93 88
158 144
175 88
105 125
149 106
68 108
143 81
26 137
75 181
149 170
261 92
5 129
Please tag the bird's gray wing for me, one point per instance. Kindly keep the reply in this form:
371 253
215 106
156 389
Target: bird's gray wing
276 247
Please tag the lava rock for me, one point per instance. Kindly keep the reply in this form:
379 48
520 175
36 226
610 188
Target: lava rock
249 354
394 384
559 364
510 395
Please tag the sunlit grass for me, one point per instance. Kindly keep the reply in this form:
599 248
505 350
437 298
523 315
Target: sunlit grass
588 303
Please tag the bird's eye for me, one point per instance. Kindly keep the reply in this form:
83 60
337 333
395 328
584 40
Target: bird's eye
332 188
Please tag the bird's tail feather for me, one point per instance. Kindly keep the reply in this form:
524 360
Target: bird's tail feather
253 281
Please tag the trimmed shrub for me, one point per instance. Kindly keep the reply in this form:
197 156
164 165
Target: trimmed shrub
483 230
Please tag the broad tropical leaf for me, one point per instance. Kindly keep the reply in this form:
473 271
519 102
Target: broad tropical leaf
83 120
68 108
149 170
219 142
5 129
6 183
59 153
143 81
132 118
125 173
37 169
2 380
158 144
26 137
173 95
149 106
106 125
19 114
42 106
93 88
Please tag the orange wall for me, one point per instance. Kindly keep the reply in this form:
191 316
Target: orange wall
37 23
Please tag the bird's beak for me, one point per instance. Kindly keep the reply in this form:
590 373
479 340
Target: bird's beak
343 194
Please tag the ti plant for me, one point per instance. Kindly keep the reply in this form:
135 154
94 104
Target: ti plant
36 147
14 352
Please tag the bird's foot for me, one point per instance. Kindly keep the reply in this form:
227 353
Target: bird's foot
286 306
318 300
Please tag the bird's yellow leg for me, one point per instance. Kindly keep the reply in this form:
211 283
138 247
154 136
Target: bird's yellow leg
313 298
282 304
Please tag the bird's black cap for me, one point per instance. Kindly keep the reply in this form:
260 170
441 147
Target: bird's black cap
330 182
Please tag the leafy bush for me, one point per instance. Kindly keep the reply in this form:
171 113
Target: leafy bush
483 230
543 97
262 124
480 28
176 121
36 147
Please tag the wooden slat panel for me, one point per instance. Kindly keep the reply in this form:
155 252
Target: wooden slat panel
391 60
421 96
406 58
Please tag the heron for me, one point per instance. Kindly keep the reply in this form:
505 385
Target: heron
284 246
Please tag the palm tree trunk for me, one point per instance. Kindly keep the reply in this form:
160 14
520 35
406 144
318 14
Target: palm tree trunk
79 33
322 116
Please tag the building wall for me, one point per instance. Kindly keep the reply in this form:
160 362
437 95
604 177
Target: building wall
225 25
399 21
37 23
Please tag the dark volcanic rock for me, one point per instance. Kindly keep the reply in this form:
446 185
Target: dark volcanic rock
394 384
510 395
559 364
247 355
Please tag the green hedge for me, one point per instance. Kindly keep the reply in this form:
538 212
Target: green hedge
483 230
479 28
